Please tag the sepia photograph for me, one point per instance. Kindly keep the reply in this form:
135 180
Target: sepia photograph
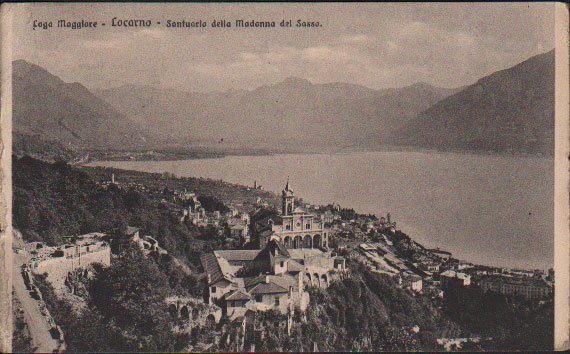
307 177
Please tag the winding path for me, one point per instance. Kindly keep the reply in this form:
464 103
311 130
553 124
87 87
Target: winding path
42 341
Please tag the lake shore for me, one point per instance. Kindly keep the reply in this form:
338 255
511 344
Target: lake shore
207 153
490 209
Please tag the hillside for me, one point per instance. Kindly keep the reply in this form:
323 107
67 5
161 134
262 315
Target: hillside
361 312
292 112
508 111
48 150
52 200
67 113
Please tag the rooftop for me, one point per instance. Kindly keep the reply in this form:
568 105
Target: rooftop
237 255
294 266
271 288
298 210
238 295
515 280
213 268
302 253
268 284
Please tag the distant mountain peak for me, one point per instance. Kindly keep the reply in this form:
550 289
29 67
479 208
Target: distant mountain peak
294 111
22 65
67 113
20 62
422 84
293 80
510 110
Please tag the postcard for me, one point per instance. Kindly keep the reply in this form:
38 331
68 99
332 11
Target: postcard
302 177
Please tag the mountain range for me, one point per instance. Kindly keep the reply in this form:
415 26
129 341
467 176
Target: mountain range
511 110
67 113
288 113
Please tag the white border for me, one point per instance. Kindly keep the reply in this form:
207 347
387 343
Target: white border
561 182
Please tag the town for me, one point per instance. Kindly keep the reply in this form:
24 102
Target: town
281 248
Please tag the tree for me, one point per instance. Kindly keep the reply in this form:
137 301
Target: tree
212 204
130 295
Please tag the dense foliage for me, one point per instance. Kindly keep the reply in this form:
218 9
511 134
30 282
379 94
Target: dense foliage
36 145
513 323
212 204
364 312
56 200
21 339
125 309
369 312
125 303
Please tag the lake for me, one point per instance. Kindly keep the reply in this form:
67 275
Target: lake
488 209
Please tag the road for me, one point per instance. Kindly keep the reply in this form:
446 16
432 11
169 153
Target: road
42 341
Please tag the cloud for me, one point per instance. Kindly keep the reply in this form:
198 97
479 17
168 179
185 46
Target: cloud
335 54
101 44
377 45
358 39
155 33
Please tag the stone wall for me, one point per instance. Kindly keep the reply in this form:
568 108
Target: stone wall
57 268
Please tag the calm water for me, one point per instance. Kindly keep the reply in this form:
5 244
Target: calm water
493 210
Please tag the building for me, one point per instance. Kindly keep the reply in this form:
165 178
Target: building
327 217
445 255
147 244
239 227
185 197
453 278
193 210
430 266
58 262
411 281
257 280
294 227
105 184
273 278
529 288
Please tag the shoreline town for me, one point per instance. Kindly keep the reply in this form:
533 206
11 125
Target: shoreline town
284 248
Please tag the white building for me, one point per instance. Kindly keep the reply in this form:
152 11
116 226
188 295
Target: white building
296 228
270 278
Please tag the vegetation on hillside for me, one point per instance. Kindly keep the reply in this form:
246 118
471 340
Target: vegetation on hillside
56 200
125 308
39 147
21 339
366 311
125 302
211 204
509 111
514 323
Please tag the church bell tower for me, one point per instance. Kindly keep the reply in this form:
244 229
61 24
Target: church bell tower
288 200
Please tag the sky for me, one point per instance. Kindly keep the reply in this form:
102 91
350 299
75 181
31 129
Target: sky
377 45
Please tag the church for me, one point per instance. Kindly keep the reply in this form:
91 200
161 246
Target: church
294 227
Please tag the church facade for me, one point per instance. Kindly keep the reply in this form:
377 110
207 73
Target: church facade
295 228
